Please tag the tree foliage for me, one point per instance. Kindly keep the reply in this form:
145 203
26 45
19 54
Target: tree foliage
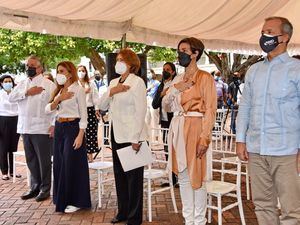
15 46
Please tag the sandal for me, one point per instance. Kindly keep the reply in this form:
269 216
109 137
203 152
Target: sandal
5 177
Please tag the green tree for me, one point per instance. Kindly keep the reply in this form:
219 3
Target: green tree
15 46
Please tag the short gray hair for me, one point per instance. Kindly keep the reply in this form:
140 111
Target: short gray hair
286 26
34 57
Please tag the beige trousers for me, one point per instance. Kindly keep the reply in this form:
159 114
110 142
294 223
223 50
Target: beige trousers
275 177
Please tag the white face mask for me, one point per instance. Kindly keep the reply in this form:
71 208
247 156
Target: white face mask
81 74
61 79
120 67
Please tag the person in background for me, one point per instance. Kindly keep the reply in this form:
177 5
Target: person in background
92 98
168 74
32 95
48 75
221 90
9 138
192 98
152 116
99 80
71 190
268 127
127 104
234 97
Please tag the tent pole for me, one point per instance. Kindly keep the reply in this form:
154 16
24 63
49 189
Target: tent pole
123 41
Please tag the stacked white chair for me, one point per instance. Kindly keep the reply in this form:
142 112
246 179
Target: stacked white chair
153 173
102 167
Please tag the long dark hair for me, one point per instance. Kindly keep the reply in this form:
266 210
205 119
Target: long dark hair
173 67
3 77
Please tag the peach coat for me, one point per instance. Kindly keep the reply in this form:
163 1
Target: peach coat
192 124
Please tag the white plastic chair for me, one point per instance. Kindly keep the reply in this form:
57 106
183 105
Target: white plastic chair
152 173
220 119
225 145
218 189
102 167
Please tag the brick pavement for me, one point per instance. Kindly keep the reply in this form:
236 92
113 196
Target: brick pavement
13 210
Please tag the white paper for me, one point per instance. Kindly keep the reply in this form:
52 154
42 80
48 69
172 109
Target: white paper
130 159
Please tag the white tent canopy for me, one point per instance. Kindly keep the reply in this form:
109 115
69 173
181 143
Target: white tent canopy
223 25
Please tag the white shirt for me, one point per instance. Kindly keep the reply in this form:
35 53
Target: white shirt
92 98
164 115
6 107
127 110
32 117
74 107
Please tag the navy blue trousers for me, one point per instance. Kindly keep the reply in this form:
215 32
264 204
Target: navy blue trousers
70 168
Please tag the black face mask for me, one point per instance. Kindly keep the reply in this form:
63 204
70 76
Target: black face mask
97 78
268 42
184 59
166 75
31 71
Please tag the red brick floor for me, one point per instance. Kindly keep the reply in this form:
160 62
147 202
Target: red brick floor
13 210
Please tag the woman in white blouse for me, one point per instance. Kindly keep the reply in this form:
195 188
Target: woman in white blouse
92 98
8 127
71 189
126 101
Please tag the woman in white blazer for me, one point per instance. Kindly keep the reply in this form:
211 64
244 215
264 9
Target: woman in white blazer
127 104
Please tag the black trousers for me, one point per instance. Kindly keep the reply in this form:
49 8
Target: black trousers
8 142
166 124
38 148
129 187
70 168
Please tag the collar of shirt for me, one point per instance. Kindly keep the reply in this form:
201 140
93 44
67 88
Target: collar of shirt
283 57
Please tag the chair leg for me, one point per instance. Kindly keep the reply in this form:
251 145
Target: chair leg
149 200
99 188
173 195
240 205
247 183
209 209
14 168
219 210
222 169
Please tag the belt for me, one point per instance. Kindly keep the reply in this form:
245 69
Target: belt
189 114
64 120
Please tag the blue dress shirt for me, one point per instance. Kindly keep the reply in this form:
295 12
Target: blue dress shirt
269 113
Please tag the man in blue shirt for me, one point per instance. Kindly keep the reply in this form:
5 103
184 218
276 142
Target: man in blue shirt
268 127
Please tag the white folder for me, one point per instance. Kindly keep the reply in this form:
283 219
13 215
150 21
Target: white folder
131 159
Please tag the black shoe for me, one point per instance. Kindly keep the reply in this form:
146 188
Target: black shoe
165 184
30 194
117 220
17 175
42 196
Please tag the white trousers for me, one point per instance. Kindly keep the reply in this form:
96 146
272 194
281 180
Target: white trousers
194 202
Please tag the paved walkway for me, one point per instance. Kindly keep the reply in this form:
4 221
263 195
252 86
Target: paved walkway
13 210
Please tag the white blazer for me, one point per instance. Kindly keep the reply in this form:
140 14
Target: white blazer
127 110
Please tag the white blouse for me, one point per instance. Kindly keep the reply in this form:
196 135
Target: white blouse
7 108
92 98
74 107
